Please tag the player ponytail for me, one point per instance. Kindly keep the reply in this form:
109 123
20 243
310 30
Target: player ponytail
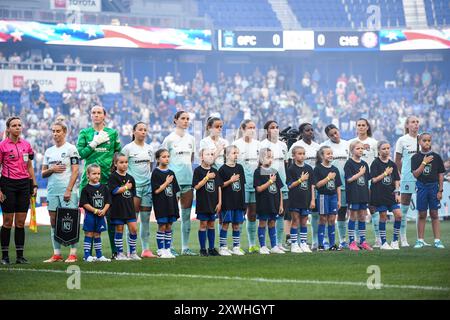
369 128
135 127
242 127
178 115
209 124
267 125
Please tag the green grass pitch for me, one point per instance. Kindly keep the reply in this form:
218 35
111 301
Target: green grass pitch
405 274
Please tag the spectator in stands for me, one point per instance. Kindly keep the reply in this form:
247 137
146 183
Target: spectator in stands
147 91
77 63
68 61
35 91
48 62
14 60
426 78
99 87
3 61
125 85
48 112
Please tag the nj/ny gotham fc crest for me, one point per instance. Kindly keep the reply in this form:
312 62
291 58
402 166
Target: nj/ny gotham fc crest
331 185
304 185
98 200
236 186
169 191
210 186
67 229
427 170
273 188
387 180
361 181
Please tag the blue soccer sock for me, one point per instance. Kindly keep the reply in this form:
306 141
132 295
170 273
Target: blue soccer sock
351 230
303 234
87 246
279 229
98 247
236 238
185 227
332 234
404 209
223 238
202 239
362 231
160 237
56 245
321 233
168 239
397 226
132 238
251 232
376 224
382 227
315 228
294 236
342 226
273 237
211 237
144 232
357 235
118 241
262 236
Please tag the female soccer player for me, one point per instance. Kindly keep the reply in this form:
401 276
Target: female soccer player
207 184
280 157
300 181
327 182
248 157
385 193
140 162
233 201
165 201
357 187
60 165
428 168
364 131
17 186
405 148
181 147
96 200
340 157
306 140
123 189
269 200
214 141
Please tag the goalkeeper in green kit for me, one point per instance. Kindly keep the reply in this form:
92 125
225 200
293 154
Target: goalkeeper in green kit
98 144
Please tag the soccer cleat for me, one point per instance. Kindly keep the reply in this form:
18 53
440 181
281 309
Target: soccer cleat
404 241
283 248
229 251
21 260
71 258
314 246
305 248
90 259
54 258
114 256
188 252
295 248
203 252
334 248
438 244
223 251
353 246
103 259
253 249
394 245
264 250
173 252
238 251
169 254
385 246
5 261
277 250
320 248
377 243
147 253
213 252
365 246
121 257
419 244
426 244
288 243
343 245
134 257
326 245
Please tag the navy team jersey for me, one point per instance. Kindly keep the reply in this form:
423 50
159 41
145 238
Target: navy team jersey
300 196
122 203
208 195
321 172
432 170
382 192
356 191
233 196
268 201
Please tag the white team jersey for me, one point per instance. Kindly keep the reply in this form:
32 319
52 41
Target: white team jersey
139 162
208 143
370 149
68 155
280 155
181 150
248 158
407 147
310 151
340 156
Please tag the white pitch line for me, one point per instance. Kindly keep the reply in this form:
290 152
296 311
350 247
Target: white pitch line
198 276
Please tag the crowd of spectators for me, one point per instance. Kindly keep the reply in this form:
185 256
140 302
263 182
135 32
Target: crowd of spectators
259 96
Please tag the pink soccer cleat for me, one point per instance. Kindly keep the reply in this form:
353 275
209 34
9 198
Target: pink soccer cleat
366 246
147 254
353 246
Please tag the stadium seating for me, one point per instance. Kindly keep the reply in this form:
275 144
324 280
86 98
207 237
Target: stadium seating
438 12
